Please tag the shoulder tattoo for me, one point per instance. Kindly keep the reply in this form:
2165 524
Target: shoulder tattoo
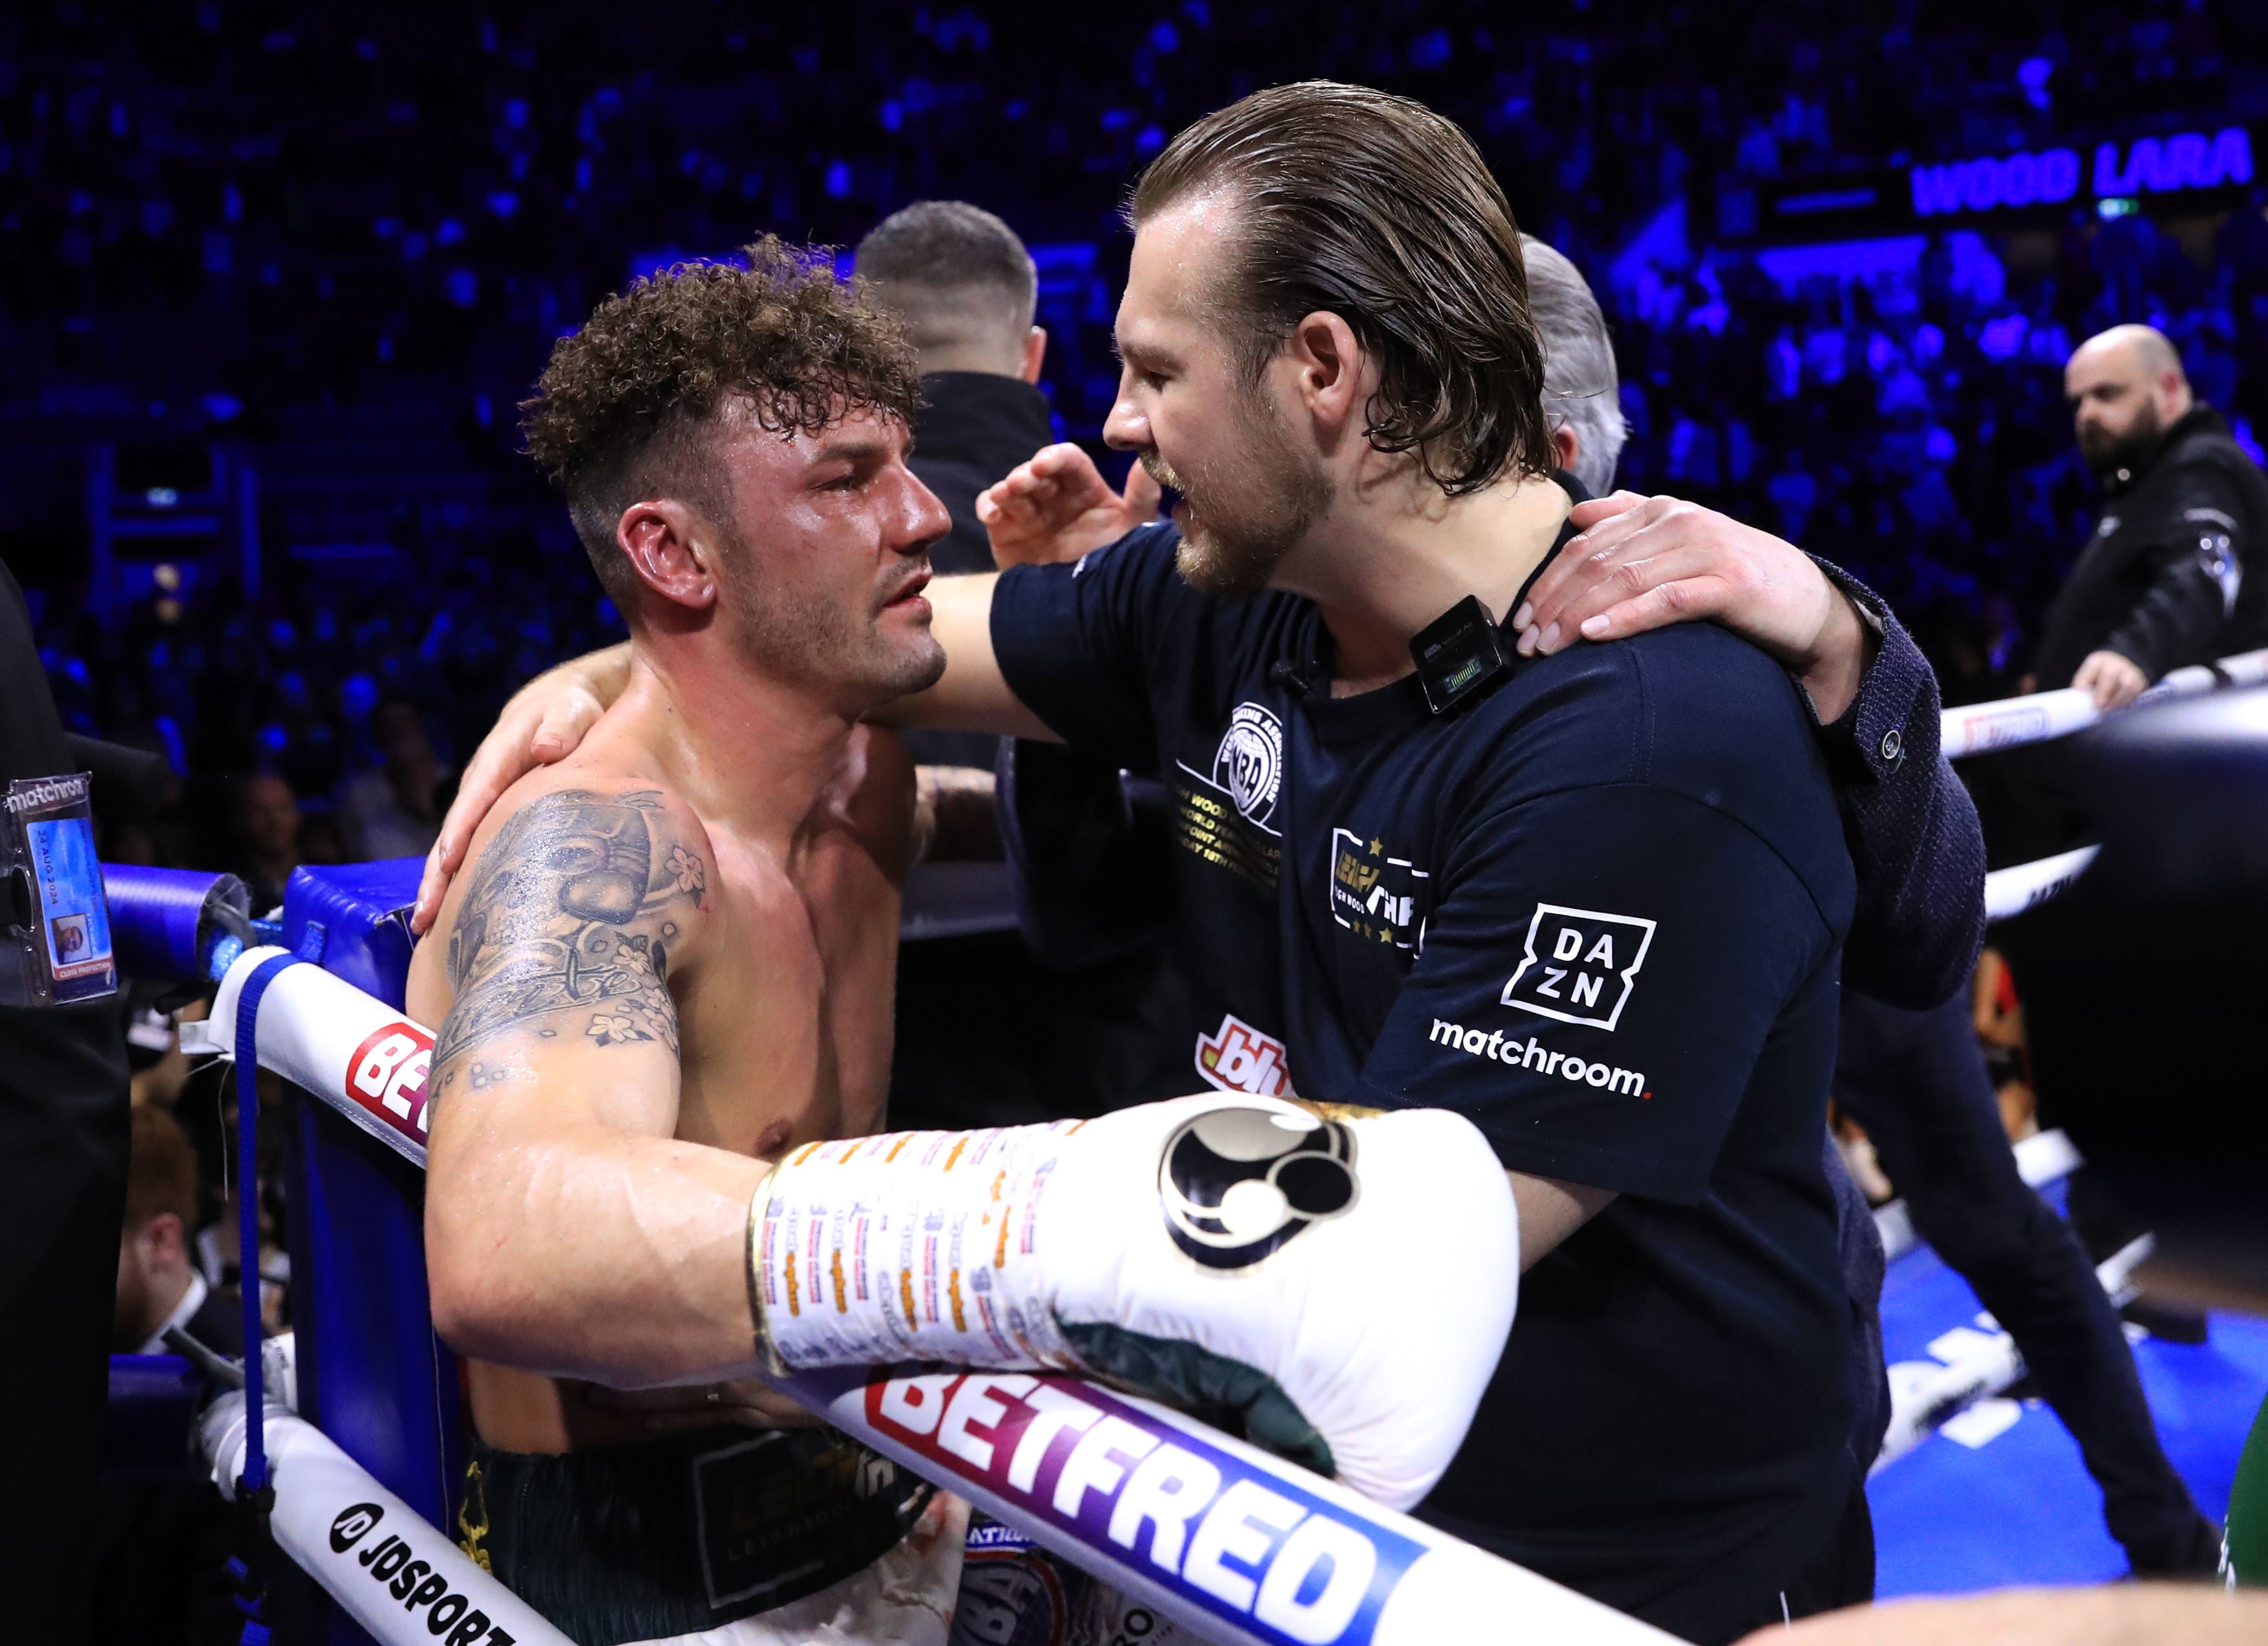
567 923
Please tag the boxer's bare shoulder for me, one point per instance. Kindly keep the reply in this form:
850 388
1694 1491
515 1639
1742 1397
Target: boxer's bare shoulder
614 956
569 922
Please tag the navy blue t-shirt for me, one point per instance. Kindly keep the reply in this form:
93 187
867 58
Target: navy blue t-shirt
1600 912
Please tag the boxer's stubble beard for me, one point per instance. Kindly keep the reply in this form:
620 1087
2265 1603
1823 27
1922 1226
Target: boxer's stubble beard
1249 507
809 636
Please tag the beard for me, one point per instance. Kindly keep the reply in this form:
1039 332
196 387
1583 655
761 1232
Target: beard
836 646
1247 510
2107 453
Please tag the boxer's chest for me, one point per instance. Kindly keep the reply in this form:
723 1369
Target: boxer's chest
785 1028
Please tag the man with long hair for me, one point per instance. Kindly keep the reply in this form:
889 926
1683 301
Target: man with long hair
1430 854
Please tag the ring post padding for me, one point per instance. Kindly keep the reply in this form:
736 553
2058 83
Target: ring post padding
162 919
1248 1554
372 1374
389 1570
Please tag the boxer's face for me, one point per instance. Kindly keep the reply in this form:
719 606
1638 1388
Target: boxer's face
822 584
1252 485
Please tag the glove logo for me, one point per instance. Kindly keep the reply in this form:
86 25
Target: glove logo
1579 965
1237 1183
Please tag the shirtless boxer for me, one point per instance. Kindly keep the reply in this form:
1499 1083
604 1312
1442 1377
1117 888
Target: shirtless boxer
670 966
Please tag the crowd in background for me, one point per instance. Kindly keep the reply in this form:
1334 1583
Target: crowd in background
220 220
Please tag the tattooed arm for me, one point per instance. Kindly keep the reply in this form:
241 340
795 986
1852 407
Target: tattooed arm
567 1230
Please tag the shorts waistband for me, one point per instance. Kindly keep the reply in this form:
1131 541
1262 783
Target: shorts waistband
682 1532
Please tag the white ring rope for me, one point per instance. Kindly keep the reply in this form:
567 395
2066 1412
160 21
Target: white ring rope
2013 890
391 1571
2009 722
1238 1546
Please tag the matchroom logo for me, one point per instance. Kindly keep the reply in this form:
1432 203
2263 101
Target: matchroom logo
1579 964
1530 1054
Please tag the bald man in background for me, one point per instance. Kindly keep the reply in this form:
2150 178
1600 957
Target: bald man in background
2174 574
1080 1012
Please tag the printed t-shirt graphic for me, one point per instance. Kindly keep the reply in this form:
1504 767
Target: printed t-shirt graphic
1649 818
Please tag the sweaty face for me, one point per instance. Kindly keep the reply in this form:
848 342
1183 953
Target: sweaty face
822 582
2114 413
1251 491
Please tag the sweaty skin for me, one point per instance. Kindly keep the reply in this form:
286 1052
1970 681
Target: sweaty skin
618 960
673 954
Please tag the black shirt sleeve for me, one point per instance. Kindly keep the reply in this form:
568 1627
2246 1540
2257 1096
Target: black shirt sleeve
1912 828
1075 642
1597 984
2197 570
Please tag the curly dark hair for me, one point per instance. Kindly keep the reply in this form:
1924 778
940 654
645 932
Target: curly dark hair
624 407
1378 210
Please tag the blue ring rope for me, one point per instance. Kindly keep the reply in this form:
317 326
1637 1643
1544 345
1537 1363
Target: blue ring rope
247 1209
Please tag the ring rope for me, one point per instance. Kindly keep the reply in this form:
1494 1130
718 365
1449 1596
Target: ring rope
1979 728
344 1047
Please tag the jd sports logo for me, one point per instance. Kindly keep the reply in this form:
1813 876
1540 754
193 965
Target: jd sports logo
1579 964
353 1524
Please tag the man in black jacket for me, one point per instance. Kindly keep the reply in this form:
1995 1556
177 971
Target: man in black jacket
968 291
2174 573
63 1188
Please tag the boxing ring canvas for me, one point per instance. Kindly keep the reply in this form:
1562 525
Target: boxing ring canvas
1234 1544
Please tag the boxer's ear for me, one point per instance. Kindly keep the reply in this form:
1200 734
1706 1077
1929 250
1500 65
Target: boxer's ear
673 549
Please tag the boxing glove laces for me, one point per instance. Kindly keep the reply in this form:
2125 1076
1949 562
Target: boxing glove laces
1335 1289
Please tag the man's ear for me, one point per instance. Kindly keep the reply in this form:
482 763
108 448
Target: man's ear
1036 354
1333 376
673 549
1567 447
164 1237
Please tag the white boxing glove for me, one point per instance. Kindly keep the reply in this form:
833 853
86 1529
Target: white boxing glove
1338 1290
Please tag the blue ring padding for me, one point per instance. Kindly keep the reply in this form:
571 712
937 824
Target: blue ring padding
247 1205
161 919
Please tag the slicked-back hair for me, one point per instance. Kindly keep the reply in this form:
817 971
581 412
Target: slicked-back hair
1380 211
958 275
630 406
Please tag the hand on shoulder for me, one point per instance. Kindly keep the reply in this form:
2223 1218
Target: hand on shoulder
1645 562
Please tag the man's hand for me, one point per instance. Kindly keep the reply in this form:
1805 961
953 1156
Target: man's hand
1645 562
541 725
1057 506
2111 678
744 1401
